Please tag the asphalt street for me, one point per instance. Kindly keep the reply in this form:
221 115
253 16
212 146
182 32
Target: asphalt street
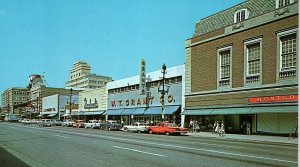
30 145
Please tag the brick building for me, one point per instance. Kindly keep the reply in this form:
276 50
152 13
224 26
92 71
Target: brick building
241 66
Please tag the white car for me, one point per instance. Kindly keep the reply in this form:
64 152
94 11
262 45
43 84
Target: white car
68 123
136 127
93 124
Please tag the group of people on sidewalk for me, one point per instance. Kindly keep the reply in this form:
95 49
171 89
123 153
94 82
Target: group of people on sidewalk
218 128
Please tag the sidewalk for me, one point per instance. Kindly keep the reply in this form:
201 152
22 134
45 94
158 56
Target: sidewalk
249 138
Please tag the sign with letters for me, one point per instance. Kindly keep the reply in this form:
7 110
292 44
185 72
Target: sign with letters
274 99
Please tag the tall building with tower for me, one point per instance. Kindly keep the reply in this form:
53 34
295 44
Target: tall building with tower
81 77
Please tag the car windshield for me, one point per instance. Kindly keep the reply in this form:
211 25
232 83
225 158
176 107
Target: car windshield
171 125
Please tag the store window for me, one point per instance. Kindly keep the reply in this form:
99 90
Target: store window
287 54
253 65
241 15
224 67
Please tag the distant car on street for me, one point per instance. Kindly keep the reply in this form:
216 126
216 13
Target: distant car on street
111 125
93 124
78 124
167 128
67 123
45 123
136 127
56 122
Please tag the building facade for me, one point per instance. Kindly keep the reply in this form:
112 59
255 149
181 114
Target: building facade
126 102
241 67
58 106
12 97
81 77
92 103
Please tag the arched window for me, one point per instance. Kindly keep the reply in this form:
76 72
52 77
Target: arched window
241 15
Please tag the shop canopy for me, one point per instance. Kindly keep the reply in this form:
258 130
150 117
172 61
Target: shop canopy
114 112
153 111
171 109
232 111
51 115
127 111
138 111
93 113
274 109
198 112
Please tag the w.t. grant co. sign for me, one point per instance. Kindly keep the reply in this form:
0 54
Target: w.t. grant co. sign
274 99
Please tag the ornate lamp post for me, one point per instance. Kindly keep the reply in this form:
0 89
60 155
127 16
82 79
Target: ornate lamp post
163 91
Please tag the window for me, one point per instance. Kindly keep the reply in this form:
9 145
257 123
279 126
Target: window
224 66
253 61
241 15
287 54
282 3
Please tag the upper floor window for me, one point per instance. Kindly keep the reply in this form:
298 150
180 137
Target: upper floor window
224 66
253 61
287 54
282 3
241 15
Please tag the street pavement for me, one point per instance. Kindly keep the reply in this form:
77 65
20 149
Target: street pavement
71 147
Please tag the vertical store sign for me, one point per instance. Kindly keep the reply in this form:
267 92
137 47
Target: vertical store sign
143 78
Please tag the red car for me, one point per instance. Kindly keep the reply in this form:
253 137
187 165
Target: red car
167 128
78 124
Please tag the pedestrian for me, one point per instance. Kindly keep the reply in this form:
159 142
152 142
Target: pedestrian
214 127
248 126
191 126
222 130
243 126
122 123
217 128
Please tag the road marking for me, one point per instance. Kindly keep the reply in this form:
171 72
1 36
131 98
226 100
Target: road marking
140 151
168 145
62 136
215 144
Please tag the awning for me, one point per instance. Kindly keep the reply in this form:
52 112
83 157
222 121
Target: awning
138 111
232 111
113 112
78 113
198 112
274 109
171 109
153 111
93 113
127 111
51 115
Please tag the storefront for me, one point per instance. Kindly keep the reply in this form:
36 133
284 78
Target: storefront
54 106
92 104
266 114
125 102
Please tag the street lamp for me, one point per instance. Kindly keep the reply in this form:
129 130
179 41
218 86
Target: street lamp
70 104
163 91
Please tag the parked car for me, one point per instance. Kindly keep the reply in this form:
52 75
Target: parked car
111 125
136 127
78 124
56 122
93 124
26 121
67 123
45 123
167 128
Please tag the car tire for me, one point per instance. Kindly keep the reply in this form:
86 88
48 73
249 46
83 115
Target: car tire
150 131
109 129
139 131
167 133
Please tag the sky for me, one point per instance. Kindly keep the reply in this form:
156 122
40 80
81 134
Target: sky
48 36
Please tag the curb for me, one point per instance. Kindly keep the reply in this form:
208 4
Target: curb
247 140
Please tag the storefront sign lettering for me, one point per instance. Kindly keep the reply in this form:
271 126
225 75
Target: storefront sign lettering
274 99
138 101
